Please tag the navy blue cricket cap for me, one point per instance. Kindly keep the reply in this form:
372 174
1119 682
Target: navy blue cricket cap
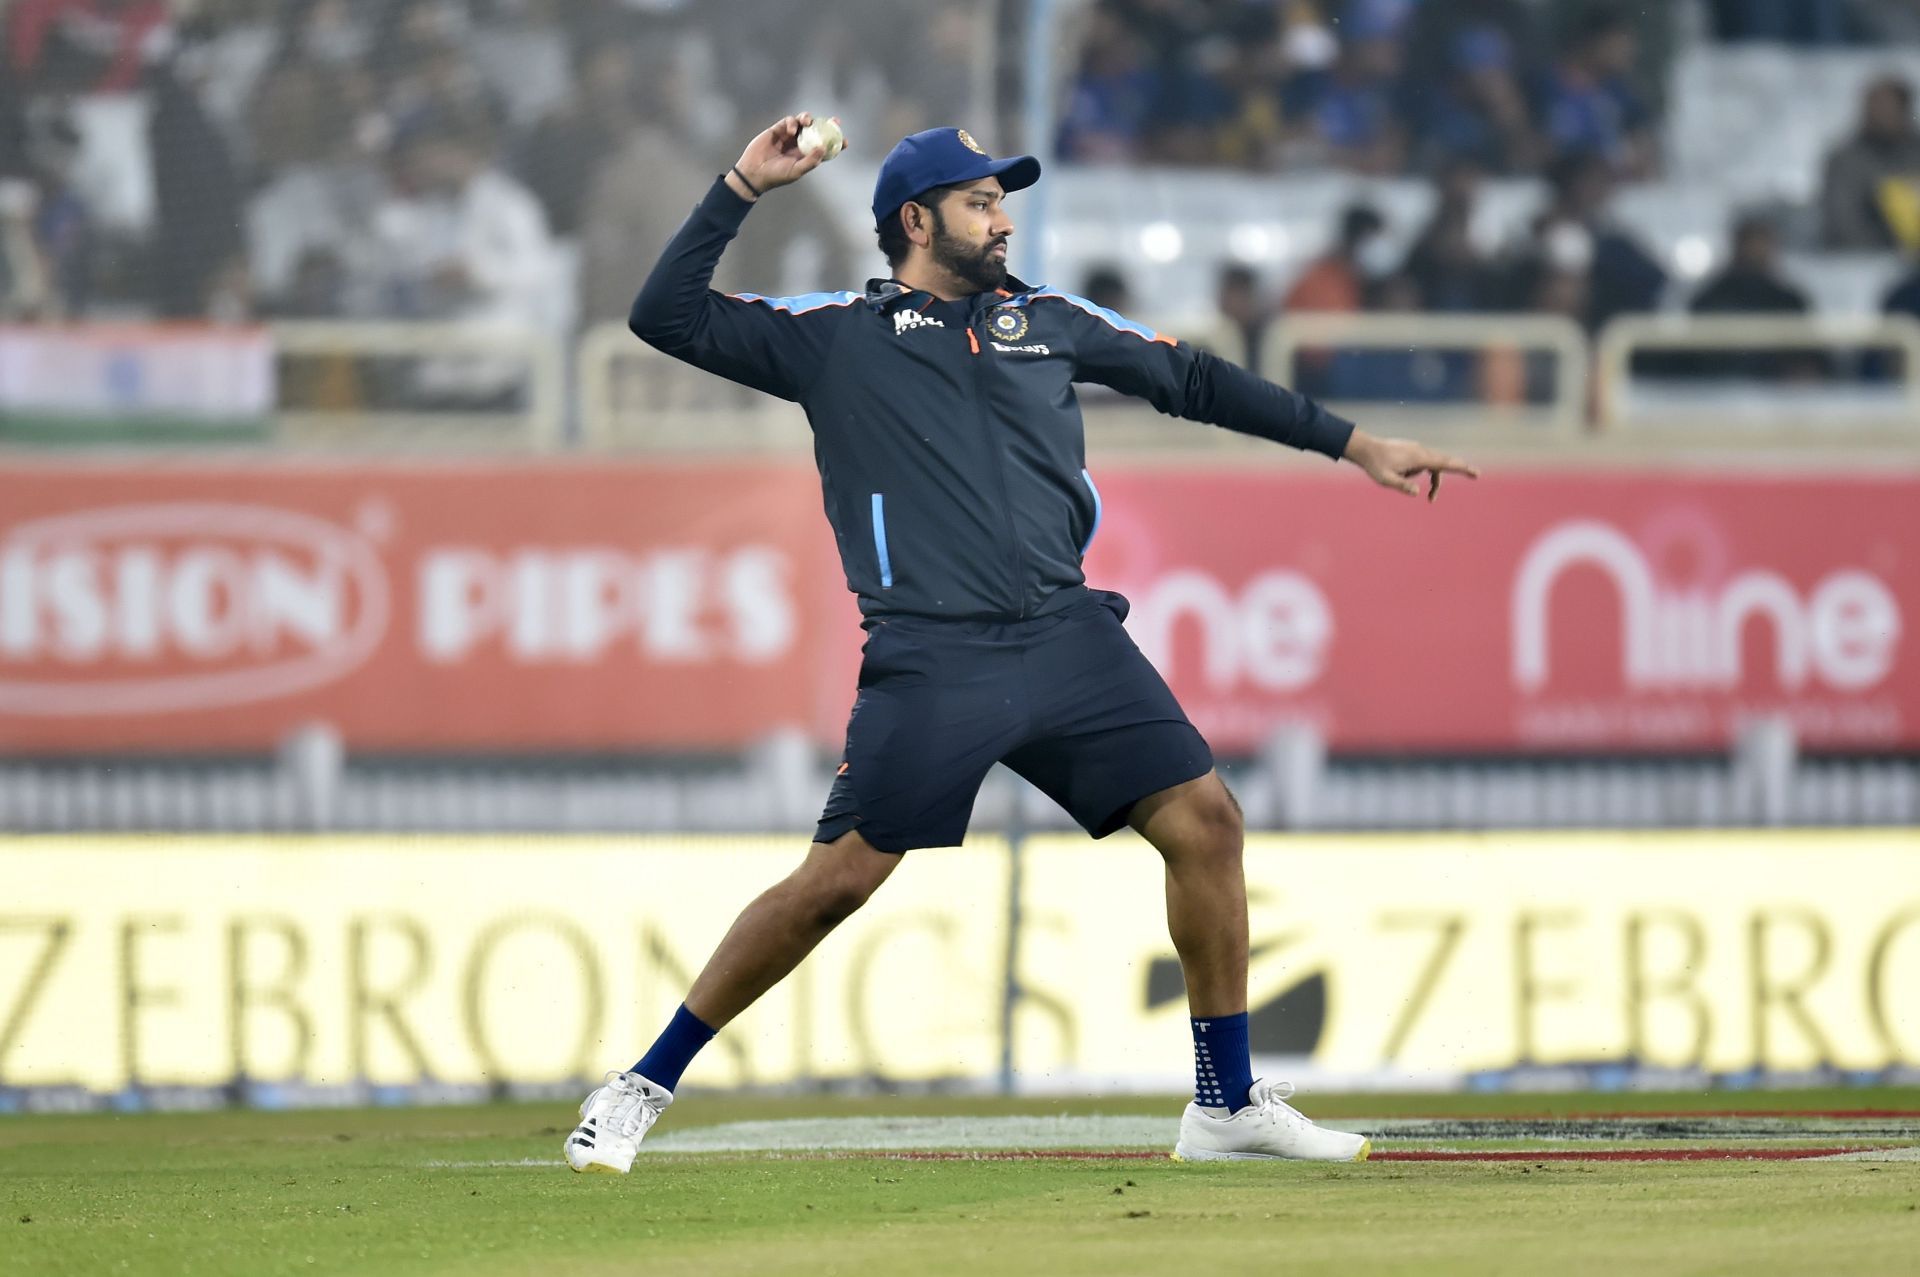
941 157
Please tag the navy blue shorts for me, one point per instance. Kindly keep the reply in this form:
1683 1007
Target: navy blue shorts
1065 700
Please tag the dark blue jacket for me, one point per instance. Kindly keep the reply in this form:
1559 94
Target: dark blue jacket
950 446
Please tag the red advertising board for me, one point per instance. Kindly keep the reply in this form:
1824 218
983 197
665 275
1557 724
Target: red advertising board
1561 610
428 607
620 606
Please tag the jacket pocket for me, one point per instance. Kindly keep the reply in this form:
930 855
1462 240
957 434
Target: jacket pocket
880 540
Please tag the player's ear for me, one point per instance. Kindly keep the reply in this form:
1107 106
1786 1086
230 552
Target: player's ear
918 223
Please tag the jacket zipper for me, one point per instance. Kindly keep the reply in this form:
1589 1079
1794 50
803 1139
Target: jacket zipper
1000 473
881 558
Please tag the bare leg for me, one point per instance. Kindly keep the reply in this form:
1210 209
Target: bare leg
786 921
1196 828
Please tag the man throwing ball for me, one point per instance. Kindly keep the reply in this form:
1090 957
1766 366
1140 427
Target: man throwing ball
952 459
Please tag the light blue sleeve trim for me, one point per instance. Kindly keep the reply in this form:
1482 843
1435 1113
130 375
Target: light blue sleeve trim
1094 531
801 303
880 540
1112 317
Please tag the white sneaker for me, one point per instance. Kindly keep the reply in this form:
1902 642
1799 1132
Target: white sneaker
613 1120
1268 1127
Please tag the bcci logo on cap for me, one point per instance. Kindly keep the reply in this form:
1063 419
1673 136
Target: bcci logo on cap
1008 325
966 140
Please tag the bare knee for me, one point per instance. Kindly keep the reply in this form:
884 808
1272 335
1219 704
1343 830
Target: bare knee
1203 824
836 880
1218 822
834 901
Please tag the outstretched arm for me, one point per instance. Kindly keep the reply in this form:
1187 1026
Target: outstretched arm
762 342
1186 382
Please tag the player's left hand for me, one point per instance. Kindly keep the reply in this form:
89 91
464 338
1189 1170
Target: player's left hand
1399 463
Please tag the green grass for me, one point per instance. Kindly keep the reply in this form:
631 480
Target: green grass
355 1192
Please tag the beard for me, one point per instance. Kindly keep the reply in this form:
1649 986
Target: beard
977 268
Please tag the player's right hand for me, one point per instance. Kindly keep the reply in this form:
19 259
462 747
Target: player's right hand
775 158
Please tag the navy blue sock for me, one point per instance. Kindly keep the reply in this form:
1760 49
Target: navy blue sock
686 1033
1222 1065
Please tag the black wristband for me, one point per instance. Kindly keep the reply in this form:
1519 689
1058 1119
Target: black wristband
744 182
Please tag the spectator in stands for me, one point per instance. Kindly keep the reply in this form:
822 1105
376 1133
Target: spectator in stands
46 230
641 195
927 70
1106 285
1434 31
310 227
62 226
1554 278
1623 277
430 72
561 156
458 239
1194 106
316 84
1871 197
1243 316
85 46
197 240
1480 112
1105 119
1753 284
1446 263
1589 105
1351 117
1337 281
23 275
1260 59
319 135
1559 279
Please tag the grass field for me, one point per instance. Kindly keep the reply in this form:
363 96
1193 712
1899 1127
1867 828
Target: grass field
480 1191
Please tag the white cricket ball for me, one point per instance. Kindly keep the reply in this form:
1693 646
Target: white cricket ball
822 135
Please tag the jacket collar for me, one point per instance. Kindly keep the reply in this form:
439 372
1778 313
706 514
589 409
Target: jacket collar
885 293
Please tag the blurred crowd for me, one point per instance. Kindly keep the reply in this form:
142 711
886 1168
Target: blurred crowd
517 160
1574 258
1456 92
1372 86
523 160
1407 86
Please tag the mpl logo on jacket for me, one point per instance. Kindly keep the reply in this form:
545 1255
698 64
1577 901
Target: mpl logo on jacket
1843 631
149 609
904 320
